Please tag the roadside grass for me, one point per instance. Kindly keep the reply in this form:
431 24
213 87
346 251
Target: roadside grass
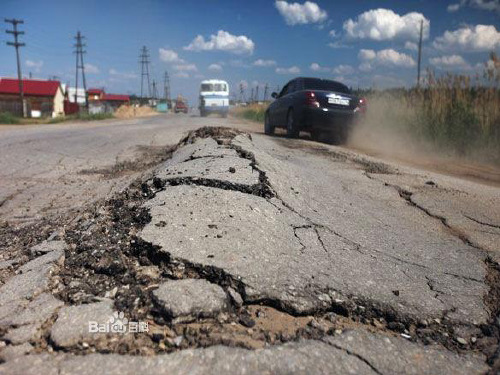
252 112
8 119
456 115
82 117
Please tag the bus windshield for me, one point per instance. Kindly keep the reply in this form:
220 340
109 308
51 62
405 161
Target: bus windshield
213 87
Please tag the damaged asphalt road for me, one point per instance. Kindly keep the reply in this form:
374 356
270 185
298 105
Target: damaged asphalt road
251 254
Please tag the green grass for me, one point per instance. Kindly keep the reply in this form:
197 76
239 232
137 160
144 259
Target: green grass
8 118
253 112
94 117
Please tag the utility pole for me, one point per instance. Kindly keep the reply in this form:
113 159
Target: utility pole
251 96
266 89
257 93
17 44
420 52
80 66
144 61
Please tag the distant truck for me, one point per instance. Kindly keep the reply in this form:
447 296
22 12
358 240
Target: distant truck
214 97
180 106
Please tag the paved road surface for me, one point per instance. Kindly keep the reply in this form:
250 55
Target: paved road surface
244 254
41 166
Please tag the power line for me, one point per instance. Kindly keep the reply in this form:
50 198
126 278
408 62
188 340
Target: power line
80 66
144 61
17 44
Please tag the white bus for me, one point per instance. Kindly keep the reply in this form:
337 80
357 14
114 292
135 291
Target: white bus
214 97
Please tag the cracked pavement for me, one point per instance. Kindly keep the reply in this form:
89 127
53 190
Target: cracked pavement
253 254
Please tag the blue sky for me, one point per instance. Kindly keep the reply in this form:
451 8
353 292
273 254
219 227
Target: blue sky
362 43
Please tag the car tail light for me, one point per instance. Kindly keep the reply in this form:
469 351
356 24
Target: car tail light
362 105
311 99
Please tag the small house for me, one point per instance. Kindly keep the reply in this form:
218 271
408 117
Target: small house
43 98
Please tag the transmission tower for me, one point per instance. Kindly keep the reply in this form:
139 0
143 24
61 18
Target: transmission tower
17 44
144 61
166 86
155 92
242 92
80 66
266 89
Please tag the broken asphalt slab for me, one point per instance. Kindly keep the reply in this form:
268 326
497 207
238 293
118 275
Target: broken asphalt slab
333 236
300 232
189 299
350 353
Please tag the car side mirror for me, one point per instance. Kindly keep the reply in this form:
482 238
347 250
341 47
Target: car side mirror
274 95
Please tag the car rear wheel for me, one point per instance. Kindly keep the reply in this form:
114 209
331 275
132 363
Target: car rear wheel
338 136
268 128
291 126
315 135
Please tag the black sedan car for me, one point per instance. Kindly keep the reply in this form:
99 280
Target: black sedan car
316 105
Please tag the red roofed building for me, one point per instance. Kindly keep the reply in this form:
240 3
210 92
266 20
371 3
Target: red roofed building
115 99
95 94
43 98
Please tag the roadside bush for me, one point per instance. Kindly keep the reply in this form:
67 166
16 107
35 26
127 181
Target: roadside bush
8 118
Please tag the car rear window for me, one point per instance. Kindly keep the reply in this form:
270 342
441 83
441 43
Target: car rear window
325 85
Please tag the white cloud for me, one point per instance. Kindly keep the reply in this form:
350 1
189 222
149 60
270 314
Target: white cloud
263 63
342 70
337 45
315 67
450 61
169 56
186 67
469 38
387 57
367 54
300 14
291 70
411 46
223 41
116 73
333 34
181 75
384 24
91 69
489 5
36 65
365 67
215 67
